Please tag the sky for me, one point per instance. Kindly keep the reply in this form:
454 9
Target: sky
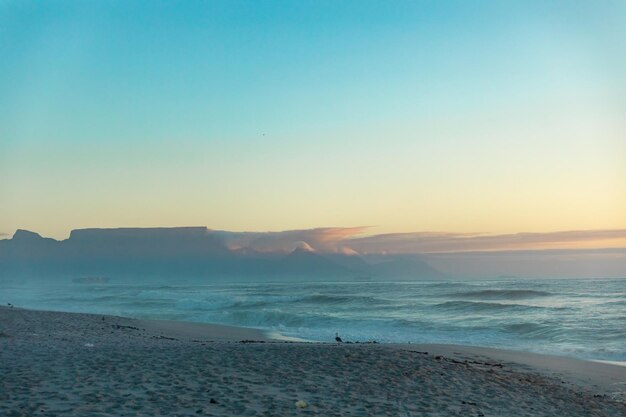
404 117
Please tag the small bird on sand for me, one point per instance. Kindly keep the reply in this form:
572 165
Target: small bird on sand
337 338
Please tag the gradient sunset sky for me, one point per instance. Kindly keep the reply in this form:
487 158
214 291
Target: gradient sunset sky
492 117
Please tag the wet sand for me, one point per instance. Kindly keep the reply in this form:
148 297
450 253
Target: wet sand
65 364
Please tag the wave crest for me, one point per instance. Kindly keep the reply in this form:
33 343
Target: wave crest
501 294
477 306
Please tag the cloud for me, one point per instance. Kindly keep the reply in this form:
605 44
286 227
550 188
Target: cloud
351 240
326 239
425 242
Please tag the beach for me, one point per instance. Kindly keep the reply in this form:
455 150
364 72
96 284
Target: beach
71 364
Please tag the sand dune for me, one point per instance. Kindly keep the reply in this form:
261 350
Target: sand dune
63 364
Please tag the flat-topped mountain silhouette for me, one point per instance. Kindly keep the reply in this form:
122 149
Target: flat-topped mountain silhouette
184 252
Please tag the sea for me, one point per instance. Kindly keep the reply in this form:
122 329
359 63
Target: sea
583 318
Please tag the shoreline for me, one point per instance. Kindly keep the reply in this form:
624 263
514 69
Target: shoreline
598 375
246 368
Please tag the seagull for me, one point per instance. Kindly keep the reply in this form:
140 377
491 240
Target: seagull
337 338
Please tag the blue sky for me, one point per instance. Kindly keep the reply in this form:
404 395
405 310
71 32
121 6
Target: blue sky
407 116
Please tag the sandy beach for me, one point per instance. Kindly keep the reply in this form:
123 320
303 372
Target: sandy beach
67 364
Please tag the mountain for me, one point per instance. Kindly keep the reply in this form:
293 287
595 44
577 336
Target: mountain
405 267
129 254
303 261
353 262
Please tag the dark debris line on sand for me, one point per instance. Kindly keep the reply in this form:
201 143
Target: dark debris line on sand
62 365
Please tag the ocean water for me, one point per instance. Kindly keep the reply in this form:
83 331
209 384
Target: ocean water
579 318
